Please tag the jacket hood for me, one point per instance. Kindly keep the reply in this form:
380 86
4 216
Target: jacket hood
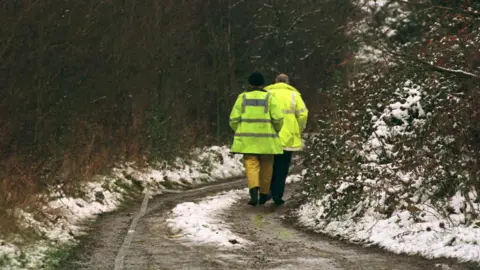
281 86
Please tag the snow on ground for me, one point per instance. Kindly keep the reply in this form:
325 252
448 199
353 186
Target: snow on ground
432 238
202 222
295 178
63 216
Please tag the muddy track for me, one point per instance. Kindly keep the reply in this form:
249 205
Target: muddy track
278 243
283 245
99 249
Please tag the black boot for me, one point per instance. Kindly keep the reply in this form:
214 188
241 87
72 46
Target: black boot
278 201
253 196
264 198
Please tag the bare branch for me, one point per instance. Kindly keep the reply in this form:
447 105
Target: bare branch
261 36
319 42
265 27
311 51
456 72
236 4
299 19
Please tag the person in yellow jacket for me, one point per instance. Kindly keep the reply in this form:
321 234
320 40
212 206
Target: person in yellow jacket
256 119
294 123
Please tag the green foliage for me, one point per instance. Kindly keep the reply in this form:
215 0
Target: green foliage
56 256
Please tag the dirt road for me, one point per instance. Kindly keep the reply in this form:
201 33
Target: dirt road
278 243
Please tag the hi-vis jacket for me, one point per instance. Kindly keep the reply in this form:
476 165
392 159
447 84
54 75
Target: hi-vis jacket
295 115
256 119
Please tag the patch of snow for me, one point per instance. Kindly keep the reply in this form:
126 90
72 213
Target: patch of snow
378 143
432 238
202 222
9 254
370 54
295 178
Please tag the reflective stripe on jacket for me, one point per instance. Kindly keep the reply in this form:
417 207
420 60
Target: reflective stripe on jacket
295 115
256 119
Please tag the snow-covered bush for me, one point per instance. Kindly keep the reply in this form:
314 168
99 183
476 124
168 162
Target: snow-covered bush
399 148
406 166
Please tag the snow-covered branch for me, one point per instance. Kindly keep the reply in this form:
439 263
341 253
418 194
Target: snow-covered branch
311 51
300 18
456 72
261 36
236 4
317 45
460 10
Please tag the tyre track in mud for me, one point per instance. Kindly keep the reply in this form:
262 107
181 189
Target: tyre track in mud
278 244
99 248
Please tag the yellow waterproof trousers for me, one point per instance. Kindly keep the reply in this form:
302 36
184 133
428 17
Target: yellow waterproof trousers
259 169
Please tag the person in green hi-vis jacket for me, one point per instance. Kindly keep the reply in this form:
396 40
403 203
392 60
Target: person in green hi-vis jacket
256 119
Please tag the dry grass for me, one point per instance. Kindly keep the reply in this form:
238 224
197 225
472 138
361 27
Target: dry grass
24 182
17 190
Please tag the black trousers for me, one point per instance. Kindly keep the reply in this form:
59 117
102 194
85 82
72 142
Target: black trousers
281 165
